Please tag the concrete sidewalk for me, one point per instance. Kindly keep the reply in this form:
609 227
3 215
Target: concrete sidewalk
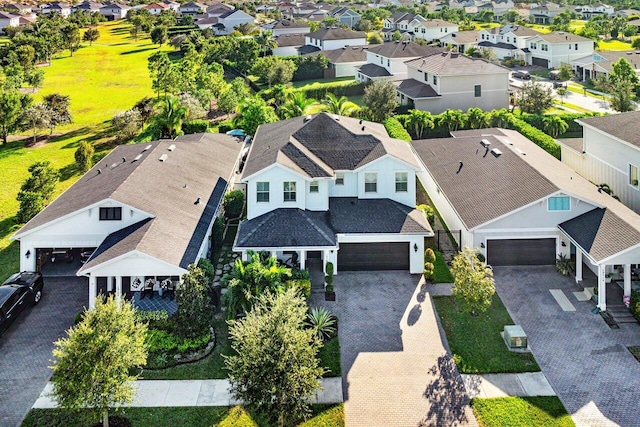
158 393
503 385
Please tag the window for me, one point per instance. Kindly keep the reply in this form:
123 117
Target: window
477 91
314 187
426 77
339 178
402 182
290 191
262 192
388 63
561 203
576 46
533 46
370 182
435 80
544 47
110 214
633 176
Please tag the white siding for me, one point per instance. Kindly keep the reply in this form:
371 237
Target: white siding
275 177
318 201
136 264
386 169
349 189
286 51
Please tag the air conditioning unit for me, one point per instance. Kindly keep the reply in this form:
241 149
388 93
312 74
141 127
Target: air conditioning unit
515 337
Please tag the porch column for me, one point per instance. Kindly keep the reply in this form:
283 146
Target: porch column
303 259
93 290
602 288
274 254
119 291
627 280
578 265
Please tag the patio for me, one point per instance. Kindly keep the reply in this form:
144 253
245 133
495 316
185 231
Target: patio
154 303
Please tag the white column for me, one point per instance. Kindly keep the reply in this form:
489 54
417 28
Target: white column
627 280
303 259
602 288
578 265
109 284
119 291
93 290
274 254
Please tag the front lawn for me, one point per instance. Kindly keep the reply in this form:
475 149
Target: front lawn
545 411
441 272
199 416
475 341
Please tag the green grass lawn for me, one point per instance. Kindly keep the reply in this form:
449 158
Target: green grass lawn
100 80
545 411
614 45
329 356
315 84
200 416
475 341
544 29
441 272
572 107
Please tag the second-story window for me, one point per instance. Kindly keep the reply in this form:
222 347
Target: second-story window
435 80
339 178
111 214
426 77
290 191
402 182
370 182
477 91
262 192
314 187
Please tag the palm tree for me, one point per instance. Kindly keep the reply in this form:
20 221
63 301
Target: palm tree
477 119
419 121
266 40
245 28
554 125
341 106
499 118
296 105
171 116
452 119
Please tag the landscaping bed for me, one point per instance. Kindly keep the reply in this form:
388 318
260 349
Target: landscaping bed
329 356
475 341
200 416
441 272
545 411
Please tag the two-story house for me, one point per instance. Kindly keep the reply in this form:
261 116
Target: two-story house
460 41
335 38
190 8
87 7
398 21
345 61
387 60
558 47
608 153
64 9
451 81
334 188
544 12
508 41
228 21
431 29
589 11
601 63
345 16
8 20
156 8
498 8
288 44
114 11
144 211
285 26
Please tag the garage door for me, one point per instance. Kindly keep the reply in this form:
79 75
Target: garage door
373 256
541 62
521 252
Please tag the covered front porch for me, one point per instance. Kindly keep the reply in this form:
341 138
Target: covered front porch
147 292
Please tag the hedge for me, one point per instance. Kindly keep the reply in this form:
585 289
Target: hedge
319 90
395 129
195 126
538 137
225 126
536 120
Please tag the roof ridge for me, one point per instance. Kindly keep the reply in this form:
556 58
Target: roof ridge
313 224
266 216
142 162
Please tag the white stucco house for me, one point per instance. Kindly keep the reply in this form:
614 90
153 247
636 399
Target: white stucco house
144 211
64 9
288 44
544 12
451 81
345 61
334 188
431 29
518 205
114 11
461 40
8 20
284 26
507 41
558 47
335 38
608 153
600 63
589 11
386 61
228 21
190 8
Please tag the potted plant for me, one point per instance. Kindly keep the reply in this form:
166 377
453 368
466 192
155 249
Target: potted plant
564 265
329 294
608 278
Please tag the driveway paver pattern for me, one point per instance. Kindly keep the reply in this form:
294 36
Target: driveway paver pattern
25 349
587 363
396 371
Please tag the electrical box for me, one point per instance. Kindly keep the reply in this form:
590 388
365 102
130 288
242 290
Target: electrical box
515 337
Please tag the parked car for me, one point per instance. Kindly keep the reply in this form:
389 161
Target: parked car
522 74
16 293
554 75
557 84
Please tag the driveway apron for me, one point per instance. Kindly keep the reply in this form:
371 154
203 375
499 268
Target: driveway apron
25 349
587 363
396 371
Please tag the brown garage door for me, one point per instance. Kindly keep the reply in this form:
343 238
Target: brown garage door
541 62
373 256
521 252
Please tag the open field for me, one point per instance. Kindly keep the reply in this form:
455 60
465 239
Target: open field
101 80
614 44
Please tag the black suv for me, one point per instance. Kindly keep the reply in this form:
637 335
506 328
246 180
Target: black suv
15 293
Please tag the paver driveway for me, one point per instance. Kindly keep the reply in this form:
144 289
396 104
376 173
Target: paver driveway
586 362
395 369
25 349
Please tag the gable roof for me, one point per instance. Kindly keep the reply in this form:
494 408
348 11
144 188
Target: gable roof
373 70
346 54
562 37
623 126
319 146
415 89
403 49
452 63
337 34
462 37
436 23
285 40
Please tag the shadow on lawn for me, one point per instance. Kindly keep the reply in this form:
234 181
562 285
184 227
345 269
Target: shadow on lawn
131 52
11 147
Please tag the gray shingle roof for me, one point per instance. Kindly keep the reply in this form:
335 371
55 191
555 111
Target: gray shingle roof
288 228
198 167
499 45
464 37
337 34
451 63
346 54
290 40
403 49
623 126
373 70
415 89
562 37
307 48
320 146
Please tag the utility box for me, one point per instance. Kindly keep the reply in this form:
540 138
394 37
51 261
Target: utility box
515 337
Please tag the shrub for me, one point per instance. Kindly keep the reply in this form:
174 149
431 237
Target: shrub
233 203
84 156
195 126
429 213
217 234
194 315
225 126
302 285
207 268
429 255
395 129
634 304
160 341
538 137
323 323
428 270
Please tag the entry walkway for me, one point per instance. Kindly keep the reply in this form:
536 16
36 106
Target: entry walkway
503 385
161 393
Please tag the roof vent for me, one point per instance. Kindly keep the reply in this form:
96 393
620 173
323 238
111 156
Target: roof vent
521 152
197 202
138 157
496 152
124 160
485 143
163 157
460 167
307 118
172 147
360 122
336 117
99 171
148 147
362 128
